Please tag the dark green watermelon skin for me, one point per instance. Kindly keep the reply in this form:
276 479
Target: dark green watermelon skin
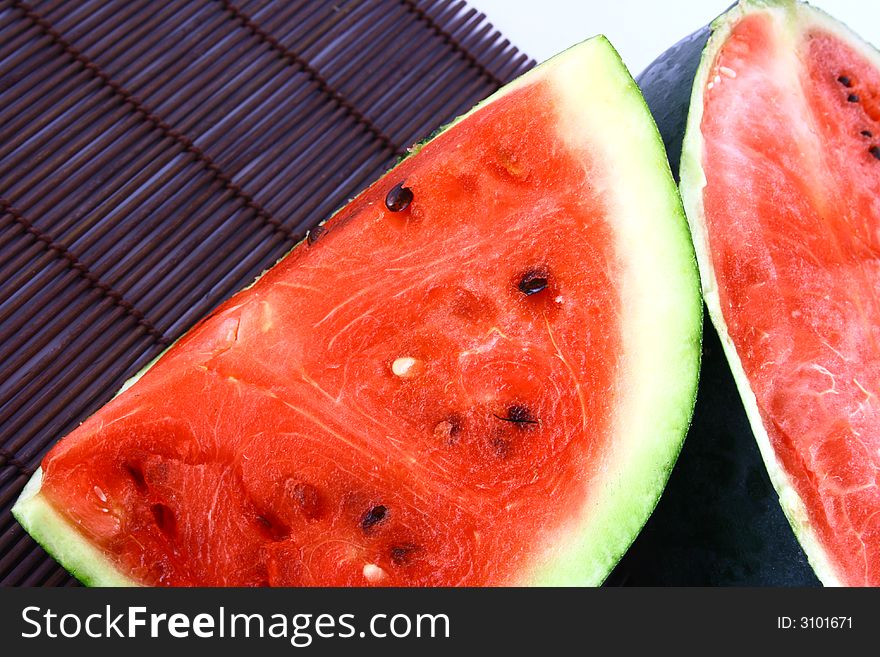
719 522
666 85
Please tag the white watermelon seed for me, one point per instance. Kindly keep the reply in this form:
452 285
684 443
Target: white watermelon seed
403 366
373 573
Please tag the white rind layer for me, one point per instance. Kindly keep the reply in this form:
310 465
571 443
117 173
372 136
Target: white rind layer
791 18
600 108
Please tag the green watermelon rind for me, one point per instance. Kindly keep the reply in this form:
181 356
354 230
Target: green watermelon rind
692 183
63 541
658 249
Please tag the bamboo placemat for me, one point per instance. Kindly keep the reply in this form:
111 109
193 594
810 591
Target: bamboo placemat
156 156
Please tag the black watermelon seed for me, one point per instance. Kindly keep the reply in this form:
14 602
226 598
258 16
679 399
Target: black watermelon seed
518 414
373 517
315 234
852 98
867 133
875 151
845 81
399 198
533 282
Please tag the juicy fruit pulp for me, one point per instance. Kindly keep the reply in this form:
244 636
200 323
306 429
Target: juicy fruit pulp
449 383
301 434
290 428
790 125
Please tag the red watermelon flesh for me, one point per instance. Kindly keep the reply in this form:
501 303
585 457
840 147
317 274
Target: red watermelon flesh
423 393
787 223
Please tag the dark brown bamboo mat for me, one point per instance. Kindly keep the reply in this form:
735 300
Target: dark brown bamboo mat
156 156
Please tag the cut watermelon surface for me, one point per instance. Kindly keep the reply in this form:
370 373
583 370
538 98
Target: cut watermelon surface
479 372
780 175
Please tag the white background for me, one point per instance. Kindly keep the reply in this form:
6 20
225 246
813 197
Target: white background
639 29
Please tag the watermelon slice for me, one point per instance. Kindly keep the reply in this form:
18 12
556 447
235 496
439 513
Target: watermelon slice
780 176
479 372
